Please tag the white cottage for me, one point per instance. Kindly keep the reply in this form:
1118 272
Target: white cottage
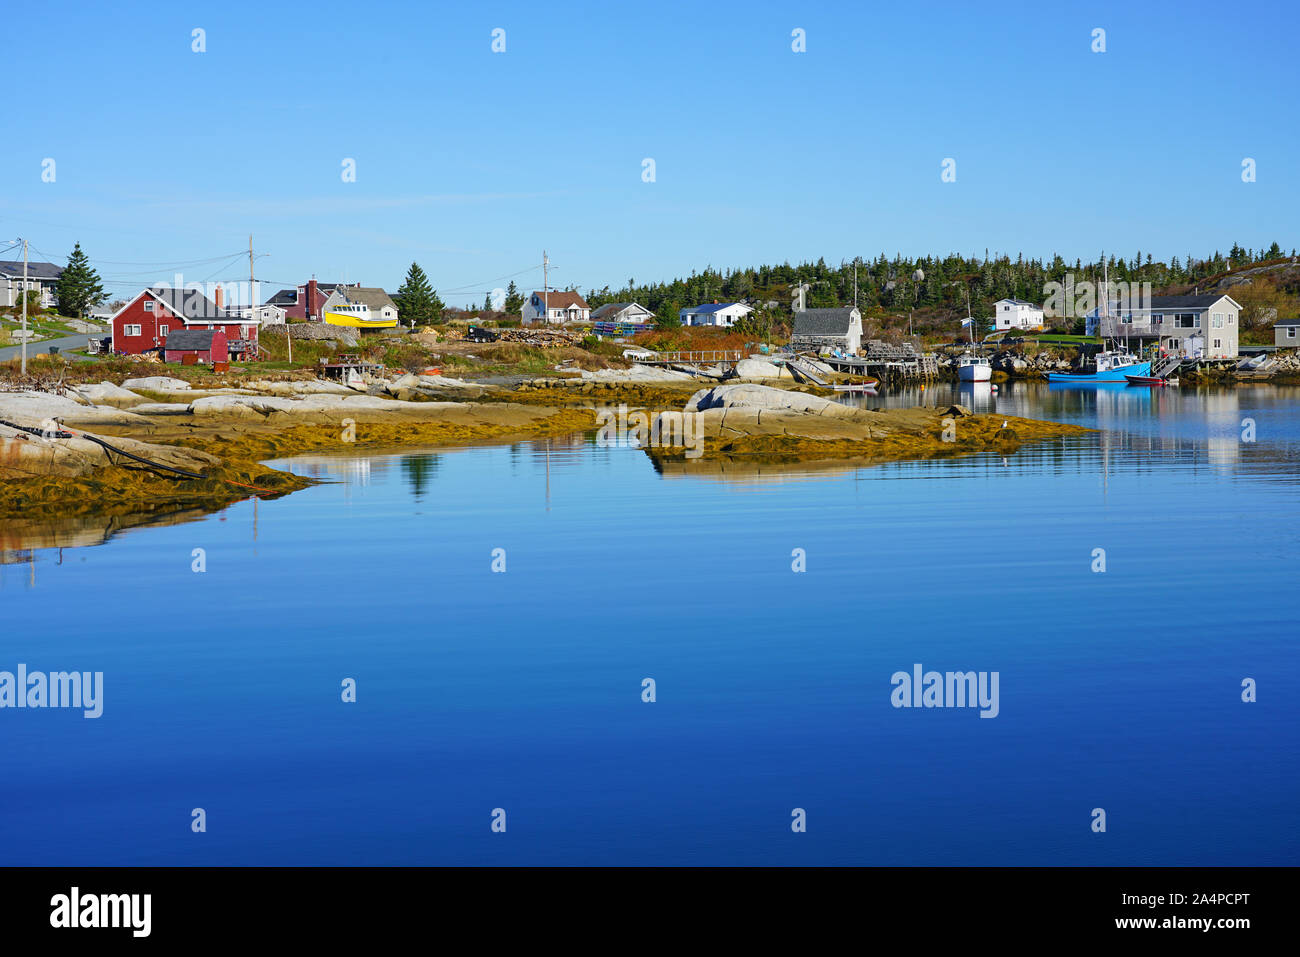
715 314
1016 314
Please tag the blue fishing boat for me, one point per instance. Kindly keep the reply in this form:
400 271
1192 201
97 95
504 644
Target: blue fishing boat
1113 366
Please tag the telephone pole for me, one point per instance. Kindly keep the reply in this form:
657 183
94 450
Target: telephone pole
24 307
546 290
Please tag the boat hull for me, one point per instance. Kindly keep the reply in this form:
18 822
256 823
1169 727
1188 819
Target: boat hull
1120 375
975 373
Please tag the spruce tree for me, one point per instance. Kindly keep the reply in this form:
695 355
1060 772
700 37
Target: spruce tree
417 302
79 288
514 302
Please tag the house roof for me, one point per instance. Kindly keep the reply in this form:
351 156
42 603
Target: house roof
190 340
1285 323
285 297
824 322
14 270
614 308
1187 302
562 299
1019 302
372 296
191 303
711 307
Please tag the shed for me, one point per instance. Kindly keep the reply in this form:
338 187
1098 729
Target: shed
818 329
189 346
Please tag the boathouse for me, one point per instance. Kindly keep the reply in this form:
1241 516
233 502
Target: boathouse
196 347
823 330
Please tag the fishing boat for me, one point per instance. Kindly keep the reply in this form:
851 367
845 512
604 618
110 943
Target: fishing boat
972 366
356 315
1114 365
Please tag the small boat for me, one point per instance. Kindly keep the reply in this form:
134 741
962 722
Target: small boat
356 315
1149 380
868 387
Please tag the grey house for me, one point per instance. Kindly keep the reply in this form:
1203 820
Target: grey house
40 276
1200 327
819 330
1286 333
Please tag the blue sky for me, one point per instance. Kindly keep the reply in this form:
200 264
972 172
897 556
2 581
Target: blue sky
472 162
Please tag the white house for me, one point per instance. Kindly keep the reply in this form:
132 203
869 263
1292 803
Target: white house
1016 314
715 314
265 315
556 305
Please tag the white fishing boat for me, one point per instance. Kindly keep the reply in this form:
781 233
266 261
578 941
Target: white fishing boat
971 365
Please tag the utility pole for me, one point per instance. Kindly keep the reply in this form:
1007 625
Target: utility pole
546 290
24 307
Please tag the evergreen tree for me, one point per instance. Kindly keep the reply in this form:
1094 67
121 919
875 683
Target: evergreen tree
487 302
417 302
79 289
514 301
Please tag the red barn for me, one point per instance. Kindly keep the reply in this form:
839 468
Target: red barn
144 323
190 346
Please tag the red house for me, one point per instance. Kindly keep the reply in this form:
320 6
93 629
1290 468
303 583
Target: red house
193 346
144 323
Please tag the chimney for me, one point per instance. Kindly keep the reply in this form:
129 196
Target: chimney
217 297
312 292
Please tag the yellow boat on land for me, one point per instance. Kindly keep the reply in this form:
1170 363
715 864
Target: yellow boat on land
356 315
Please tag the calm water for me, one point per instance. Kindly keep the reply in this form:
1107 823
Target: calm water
522 690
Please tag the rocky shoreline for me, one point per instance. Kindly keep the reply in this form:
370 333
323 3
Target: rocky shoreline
159 444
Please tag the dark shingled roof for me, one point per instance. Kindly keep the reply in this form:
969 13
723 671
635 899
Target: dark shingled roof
1285 323
285 297
190 340
35 270
1186 302
823 322
614 308
192 304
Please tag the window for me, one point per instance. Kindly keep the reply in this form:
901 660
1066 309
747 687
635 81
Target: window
1218 343
1290 333
1230 318
1216 321
130 330
1186 320
1157 318
162 330
243 332
148 305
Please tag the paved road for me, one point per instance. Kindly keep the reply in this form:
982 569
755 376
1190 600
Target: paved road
66 344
